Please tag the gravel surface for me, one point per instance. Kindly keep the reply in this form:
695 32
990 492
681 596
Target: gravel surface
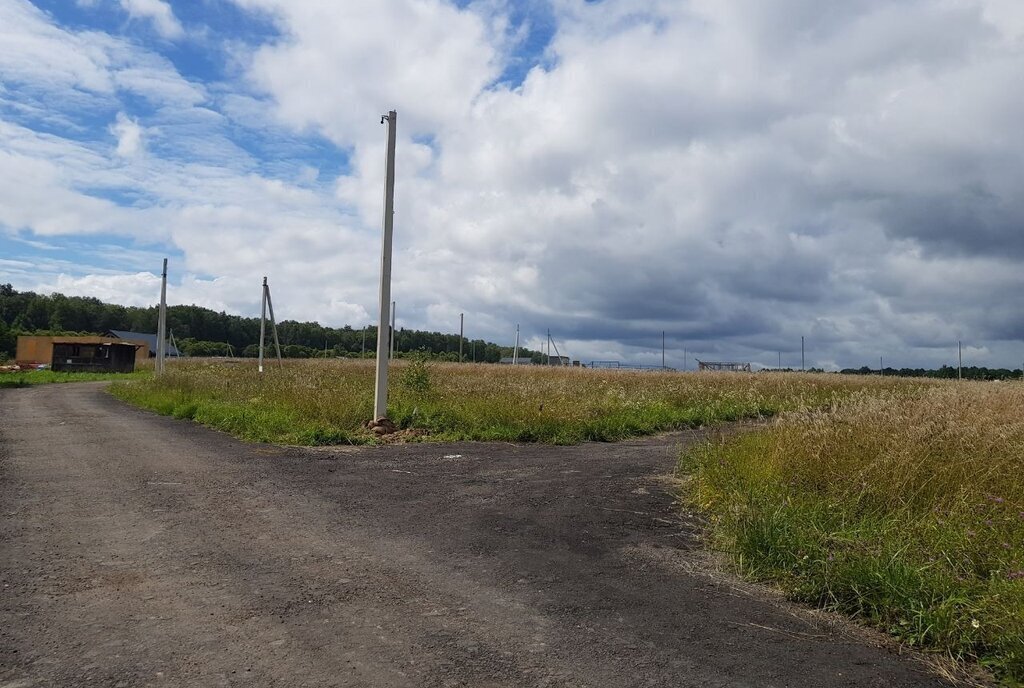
138 550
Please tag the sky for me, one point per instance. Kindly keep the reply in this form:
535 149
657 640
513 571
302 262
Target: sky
735 173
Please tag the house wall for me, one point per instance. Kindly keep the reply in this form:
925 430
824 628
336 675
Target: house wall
34 349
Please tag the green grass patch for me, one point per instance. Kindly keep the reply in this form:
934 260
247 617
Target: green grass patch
327 402
902 510
28 378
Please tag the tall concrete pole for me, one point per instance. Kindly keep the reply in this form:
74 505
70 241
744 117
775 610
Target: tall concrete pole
263 321
161 324
380 395
462 325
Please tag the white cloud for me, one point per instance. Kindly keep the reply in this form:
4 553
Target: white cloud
158 12
736 174
129 135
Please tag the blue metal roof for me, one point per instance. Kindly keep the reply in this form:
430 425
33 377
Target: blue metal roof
150 339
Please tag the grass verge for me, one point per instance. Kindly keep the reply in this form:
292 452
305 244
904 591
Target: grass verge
903 510
327 402
28 378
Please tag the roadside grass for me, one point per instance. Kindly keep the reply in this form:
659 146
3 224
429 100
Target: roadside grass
327 402
905 510
29 378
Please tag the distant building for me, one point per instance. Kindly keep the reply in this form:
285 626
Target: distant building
523 360
87 353
109 357
148 339
729 366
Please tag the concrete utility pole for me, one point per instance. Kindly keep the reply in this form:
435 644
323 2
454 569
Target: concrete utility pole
268 304
462 323
959 361
663 348
515 351
548 360
161 323
273 328
802 367
881 368
380 395
362 352
263 321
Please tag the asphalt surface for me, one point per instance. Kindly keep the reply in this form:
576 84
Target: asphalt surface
138 550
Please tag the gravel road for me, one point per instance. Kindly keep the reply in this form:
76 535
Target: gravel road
137 550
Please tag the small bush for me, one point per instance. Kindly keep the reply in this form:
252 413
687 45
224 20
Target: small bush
415 377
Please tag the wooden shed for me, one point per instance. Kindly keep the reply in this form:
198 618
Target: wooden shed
108 357
39 350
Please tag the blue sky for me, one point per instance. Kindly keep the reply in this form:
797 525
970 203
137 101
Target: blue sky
737 174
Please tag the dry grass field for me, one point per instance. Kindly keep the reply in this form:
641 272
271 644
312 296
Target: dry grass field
327 402
906 511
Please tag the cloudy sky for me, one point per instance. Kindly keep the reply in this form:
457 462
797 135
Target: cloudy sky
737 173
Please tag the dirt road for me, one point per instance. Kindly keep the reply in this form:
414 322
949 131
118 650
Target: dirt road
138 550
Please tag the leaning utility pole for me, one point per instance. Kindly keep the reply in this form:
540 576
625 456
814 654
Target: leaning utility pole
161 323
268 304
462 323
515 351
380 394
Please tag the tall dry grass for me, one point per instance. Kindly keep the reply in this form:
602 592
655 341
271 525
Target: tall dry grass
316 402
906 510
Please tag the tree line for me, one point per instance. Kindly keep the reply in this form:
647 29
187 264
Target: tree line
200 331
945 372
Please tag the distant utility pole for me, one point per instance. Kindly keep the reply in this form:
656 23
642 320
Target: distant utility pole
267 303
548 360
362 351
802 367
684 359
780 360
161 323
959 361
380 395
881 368
462 323
515 351
663 348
